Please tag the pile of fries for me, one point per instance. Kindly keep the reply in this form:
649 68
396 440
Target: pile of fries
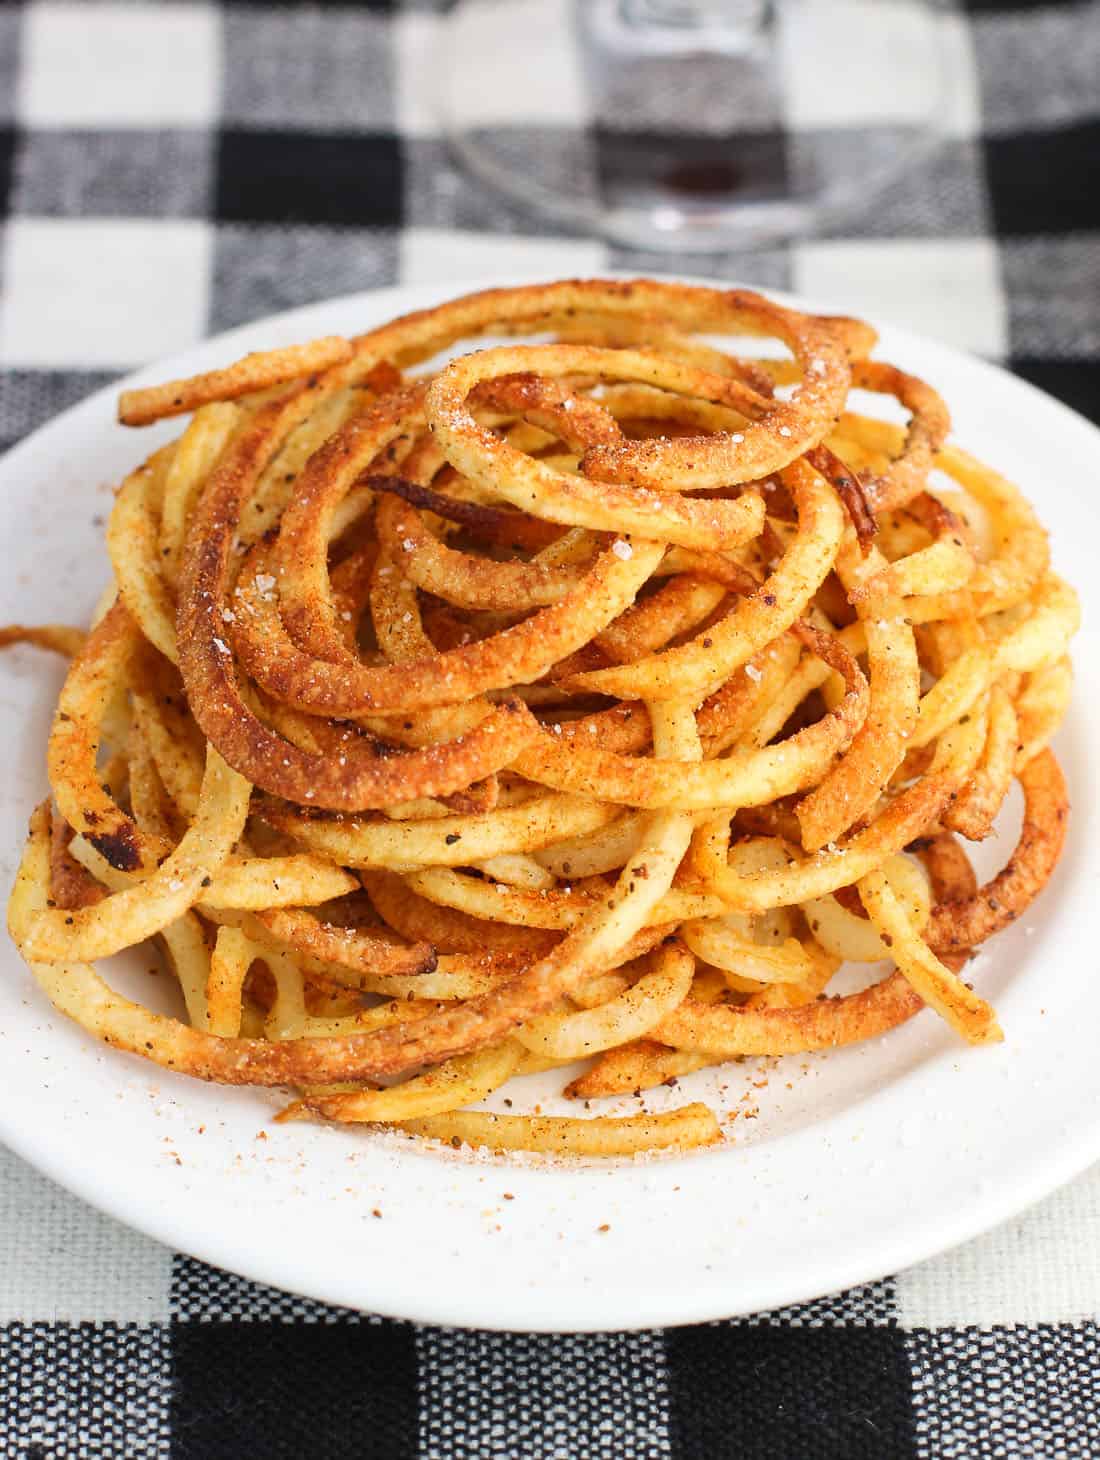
590 700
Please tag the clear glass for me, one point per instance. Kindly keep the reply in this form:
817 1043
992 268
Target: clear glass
703 125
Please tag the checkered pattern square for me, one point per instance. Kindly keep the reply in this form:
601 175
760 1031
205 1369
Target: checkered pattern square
123 65
169 169
308 69
132 172
99 288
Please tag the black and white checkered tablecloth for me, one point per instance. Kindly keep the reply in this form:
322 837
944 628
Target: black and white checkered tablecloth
169 169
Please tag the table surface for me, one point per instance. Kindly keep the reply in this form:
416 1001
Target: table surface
170 169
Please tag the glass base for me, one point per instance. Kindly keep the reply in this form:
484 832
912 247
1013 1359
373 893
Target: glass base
754 121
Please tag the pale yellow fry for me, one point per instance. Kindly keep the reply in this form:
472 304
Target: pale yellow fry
447 840
966 1012
137 913
232 957
456 1082
191 962
132 541
719 941
562 1135
196 453
286 1018
1042 637
518 870
955 692
268 882
629 1016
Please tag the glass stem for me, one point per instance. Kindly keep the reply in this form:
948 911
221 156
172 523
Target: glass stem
745 16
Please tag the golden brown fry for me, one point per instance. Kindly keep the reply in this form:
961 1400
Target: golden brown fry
59 638
254 372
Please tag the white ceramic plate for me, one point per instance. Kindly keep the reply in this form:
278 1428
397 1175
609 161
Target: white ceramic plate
854 1164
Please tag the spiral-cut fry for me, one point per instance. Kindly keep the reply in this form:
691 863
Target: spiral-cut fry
582 700
253 373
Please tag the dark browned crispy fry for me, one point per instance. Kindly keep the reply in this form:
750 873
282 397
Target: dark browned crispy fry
970 920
